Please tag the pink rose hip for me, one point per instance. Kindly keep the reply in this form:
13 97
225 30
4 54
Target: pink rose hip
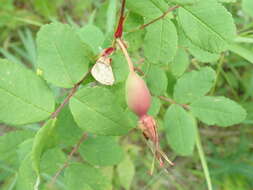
137 94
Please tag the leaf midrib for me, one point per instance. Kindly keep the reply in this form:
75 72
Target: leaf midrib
62 63
87 105
179 121
205 24
157 6
213 110
24 100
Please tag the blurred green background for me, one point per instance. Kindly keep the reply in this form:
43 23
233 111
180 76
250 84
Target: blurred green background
229 151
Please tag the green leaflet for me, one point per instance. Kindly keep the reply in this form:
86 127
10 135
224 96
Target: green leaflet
9 145
61 55
26 175
193 85
219 111
198 53
83 176
160 4
24 149
119 92
43 140
247 7
171 83
109 172
111 15
180 129
66 130
119 67
156 80
92 36
227 1
133 21
50 163
161 36
180 63
202 55
126 171
155 106
147 8
241 51
183 2
47 8
135 40
208 25
24 97
96 110
101 150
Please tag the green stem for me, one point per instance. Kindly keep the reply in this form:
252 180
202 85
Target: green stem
218 71
203 162
230 85
125 52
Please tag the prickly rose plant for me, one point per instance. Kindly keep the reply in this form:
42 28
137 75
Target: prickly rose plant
181 78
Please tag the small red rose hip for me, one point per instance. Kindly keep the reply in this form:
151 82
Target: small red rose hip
137 94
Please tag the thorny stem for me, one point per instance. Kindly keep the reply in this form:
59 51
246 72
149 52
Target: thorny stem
66 163
124 50
71 94
156 19
173 102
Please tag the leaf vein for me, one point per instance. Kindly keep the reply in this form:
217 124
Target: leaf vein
103 115
62 62
24 100
208 27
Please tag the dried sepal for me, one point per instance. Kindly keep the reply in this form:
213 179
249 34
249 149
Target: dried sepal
102 71
148 126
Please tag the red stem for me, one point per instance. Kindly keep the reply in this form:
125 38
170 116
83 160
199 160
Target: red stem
173 102
66 163
160 17
108 51
119 30
70 95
